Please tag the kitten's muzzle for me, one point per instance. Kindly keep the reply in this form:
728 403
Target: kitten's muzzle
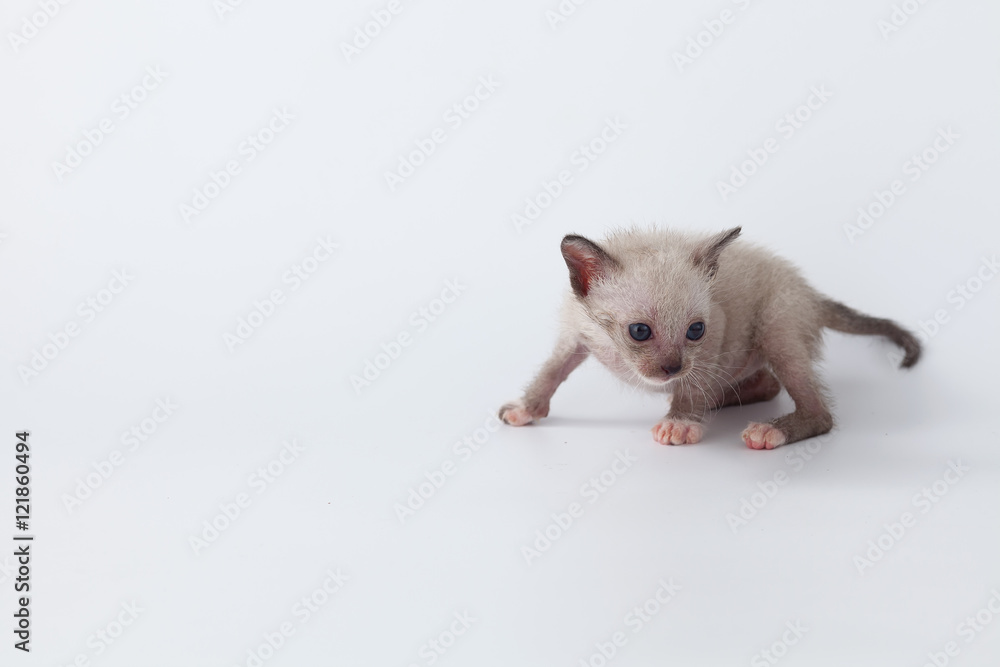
671 368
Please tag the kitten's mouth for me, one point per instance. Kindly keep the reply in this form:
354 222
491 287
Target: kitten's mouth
663 379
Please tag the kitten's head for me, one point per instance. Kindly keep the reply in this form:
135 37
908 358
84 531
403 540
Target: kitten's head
650 294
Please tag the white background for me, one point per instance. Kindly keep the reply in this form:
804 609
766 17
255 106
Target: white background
162 336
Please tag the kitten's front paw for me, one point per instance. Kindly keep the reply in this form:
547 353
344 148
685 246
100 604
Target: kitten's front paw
516 413
677 432
763 436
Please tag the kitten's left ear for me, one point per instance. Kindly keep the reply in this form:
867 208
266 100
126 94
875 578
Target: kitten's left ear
706 256
587 262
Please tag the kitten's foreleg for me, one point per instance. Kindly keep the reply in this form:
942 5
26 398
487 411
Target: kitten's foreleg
569 354
811 416
683 425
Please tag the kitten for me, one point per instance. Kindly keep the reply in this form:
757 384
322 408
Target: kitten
710 320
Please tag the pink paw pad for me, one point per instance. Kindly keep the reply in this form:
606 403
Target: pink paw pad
763 436
515 415
669 432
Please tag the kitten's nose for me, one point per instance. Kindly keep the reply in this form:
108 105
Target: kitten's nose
671 369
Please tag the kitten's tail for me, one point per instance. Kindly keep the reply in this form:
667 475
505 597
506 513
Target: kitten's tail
839 317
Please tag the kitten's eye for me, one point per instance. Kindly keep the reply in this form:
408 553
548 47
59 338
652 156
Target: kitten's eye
640 331
696 331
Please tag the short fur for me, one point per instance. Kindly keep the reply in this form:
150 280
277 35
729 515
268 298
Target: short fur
763 330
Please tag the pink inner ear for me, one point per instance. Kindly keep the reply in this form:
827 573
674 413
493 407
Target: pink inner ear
587 262
589 271
586 267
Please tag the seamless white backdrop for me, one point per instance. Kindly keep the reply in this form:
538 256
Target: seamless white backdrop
330 124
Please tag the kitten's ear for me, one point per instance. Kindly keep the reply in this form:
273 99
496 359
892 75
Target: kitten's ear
587 263
706 256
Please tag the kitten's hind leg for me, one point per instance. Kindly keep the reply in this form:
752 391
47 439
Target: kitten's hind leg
761 386
535 403
811 416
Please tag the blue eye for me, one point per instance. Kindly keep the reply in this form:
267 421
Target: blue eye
696 331
640 331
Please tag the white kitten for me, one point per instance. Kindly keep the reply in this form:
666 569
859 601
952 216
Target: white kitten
711 321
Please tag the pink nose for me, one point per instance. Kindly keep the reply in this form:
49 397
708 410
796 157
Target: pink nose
671 370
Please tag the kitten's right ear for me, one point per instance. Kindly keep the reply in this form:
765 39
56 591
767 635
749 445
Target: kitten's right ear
706 256
587 263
